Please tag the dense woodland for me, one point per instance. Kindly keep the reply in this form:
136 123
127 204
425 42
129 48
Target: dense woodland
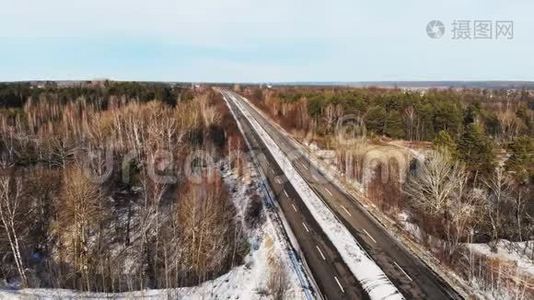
108 186
478 184
476 127
116 186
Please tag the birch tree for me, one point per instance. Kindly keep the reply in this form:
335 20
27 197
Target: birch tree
10 205
498 194
79 210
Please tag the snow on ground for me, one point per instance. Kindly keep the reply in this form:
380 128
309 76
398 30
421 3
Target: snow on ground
264 237
242 282
281 230
510 282
513 252
372 278
247 281
410 227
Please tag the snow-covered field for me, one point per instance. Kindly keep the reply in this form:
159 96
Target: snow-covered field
247 281
372 278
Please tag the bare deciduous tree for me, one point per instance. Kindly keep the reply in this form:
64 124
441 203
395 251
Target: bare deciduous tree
498 193
410 115
206 219
439 190
80 211
10 205
436 183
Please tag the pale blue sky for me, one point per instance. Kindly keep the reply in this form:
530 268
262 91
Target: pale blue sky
258 40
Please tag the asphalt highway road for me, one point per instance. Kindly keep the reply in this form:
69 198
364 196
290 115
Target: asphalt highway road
333 277
409 274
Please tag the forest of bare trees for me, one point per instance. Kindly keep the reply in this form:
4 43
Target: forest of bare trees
115 187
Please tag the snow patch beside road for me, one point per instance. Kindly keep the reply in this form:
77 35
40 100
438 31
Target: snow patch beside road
247 281
372 278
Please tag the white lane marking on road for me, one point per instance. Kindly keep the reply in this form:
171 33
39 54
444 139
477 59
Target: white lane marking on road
320 252
304 166
406 274
339 284
294 208
286 194
278 180
346 210
374 241
343 247
305 227
329 192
